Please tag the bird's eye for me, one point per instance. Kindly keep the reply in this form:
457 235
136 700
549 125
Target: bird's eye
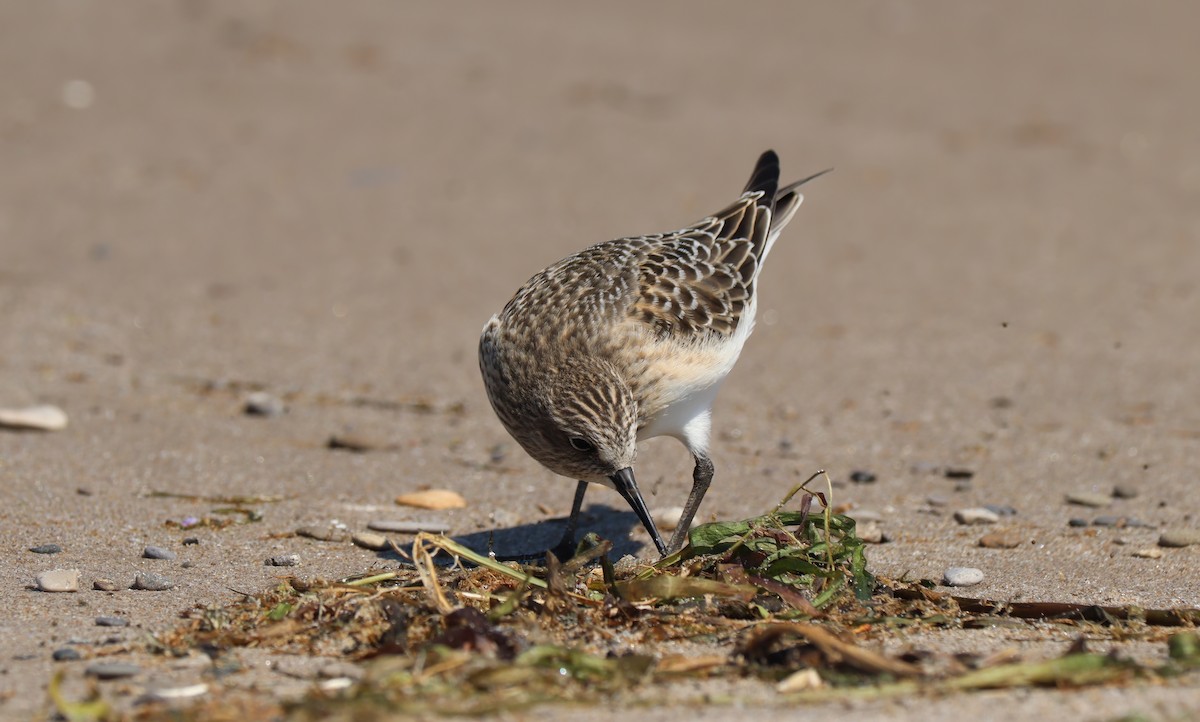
582 444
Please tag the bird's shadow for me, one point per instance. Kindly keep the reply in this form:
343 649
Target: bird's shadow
532 541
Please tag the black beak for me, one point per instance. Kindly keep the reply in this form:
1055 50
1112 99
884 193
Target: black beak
626 485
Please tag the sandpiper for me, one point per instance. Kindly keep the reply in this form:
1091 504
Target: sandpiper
631 339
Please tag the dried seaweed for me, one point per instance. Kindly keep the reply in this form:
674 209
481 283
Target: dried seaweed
784 597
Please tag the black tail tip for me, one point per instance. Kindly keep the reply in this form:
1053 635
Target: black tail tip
765 176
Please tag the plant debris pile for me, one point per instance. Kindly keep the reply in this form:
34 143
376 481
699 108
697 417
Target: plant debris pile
785 597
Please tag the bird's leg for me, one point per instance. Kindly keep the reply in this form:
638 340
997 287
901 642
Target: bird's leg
701 477
565 548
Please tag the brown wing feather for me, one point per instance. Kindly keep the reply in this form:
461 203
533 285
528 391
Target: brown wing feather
701 278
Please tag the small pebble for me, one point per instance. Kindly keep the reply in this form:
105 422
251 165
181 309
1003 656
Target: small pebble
190 541
112 670
321 533
59 580
1089 498
627 564
953 473
359 443
1077 522
66 654
34 418
112 622
1149 553
284 560
936 500
1179 537
1001 509
370 540
804 679
667 519
105 585
870 533
1118 521
976 515
46 549
962 576
862 477
158 553
1001 540
170 694
151 582
409 527
260 403
1124 491
433 499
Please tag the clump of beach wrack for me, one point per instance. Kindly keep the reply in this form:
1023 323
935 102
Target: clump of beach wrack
784 597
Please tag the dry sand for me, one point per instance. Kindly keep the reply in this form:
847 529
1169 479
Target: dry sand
327 201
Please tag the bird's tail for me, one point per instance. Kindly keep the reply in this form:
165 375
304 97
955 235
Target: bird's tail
782 202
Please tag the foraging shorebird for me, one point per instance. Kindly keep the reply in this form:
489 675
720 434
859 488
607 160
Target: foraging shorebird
631 339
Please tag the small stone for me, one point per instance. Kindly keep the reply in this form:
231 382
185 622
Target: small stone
1089 498
953 473
34 418
46 549
359 443
976 515
171 694
260 403
862 477
151 582
433 499
1001 509
667 519
1076 521
284 560
962 576
105 585
870 533
112 670
153 552
66 654
112 622
1179 537
321 533
59 580
936 500
413 526
190 541
627 564
1117 521
1124 491
1001 540
1149 553
804 679
370 540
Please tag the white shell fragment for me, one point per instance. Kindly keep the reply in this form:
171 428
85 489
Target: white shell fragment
34 418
